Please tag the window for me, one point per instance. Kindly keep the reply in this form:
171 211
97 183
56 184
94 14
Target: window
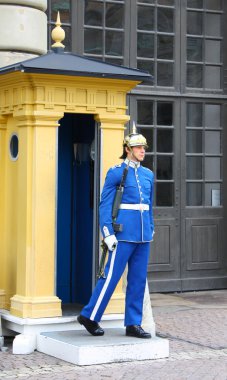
104 23
203 154
204 44
155 122
155 40
14 147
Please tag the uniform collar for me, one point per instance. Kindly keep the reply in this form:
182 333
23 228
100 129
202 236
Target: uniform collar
132 164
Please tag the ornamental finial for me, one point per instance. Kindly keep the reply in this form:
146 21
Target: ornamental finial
58 34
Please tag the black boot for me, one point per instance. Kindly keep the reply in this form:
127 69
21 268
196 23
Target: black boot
91 326
137 332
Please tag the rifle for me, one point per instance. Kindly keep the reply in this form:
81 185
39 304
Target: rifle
116 227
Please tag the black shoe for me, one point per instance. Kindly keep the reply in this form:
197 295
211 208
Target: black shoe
91 326
137 332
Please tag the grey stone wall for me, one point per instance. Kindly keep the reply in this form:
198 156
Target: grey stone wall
23 30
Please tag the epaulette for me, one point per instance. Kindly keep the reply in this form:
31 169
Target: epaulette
148 169
116 166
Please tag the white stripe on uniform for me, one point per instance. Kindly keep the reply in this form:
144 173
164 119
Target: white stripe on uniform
102 293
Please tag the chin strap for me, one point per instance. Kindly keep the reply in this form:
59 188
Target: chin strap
133 158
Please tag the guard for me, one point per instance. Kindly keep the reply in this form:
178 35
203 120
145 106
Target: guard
130 244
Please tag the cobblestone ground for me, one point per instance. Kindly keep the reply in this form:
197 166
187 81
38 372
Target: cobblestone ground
194 323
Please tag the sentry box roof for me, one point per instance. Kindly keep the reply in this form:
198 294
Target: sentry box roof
62 63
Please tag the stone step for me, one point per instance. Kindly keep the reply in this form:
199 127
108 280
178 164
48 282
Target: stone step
80 348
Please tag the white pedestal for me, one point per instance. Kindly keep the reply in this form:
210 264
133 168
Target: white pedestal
80 348
24 344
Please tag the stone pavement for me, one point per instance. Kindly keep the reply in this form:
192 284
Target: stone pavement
195 324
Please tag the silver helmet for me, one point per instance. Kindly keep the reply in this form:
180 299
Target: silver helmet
135 139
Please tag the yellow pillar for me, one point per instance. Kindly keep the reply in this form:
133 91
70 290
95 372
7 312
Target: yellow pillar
37 166
2 213
112 136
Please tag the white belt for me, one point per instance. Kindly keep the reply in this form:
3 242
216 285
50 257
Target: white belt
130 206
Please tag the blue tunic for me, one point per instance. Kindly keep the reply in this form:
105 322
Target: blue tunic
138 226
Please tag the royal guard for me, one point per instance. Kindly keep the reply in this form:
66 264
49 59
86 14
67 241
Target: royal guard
127 234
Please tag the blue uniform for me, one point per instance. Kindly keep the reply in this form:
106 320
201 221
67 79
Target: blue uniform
138 226
133 246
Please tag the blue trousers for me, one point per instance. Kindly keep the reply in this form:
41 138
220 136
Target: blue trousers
136 255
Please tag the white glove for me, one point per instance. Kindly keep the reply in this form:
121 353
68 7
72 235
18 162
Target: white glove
111 242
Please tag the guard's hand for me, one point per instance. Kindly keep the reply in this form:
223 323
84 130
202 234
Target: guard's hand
111 242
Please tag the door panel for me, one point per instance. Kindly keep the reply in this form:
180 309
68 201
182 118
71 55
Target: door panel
164 245
202 243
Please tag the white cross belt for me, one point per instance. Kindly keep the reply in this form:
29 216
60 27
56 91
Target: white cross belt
136 206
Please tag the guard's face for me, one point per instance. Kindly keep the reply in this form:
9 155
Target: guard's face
138 153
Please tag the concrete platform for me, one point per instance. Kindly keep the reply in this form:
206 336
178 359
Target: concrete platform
79 347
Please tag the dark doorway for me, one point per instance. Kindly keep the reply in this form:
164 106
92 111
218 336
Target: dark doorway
75 208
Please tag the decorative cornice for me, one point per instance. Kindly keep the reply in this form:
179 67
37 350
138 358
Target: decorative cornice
79 95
